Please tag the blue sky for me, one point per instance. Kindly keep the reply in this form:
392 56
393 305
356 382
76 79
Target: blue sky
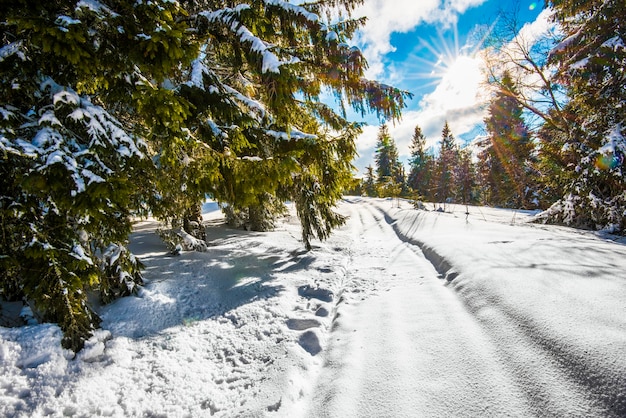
432 49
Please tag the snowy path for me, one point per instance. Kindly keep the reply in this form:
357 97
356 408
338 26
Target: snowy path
401 313
416 349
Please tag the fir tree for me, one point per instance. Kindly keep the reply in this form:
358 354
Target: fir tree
553 167
113 108
389 170
75 160
591 62
421 165
507 152
446 166
369 183
466 177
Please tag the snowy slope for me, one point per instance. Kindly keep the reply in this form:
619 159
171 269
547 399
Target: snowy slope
510 319
500 318
561 292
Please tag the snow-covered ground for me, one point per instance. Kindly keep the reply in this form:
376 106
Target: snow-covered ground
401 313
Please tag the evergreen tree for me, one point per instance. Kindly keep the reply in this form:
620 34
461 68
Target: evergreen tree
389 170
465 175
446 166
72 171
554 161
591 62
112 109
421 165
506 153
369 183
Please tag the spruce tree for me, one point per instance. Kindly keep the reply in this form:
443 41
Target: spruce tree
465 175
555 159
446 166
591 62
112 109
507 152
73 170
389 170
369 183
420 163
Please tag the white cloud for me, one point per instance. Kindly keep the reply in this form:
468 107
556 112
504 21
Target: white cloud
460 96
386 17
533 32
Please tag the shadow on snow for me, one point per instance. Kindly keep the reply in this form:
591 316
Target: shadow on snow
239 268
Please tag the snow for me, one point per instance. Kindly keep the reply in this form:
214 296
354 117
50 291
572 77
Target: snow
332 36
66 21
402 312
614 43
11 49
95 6
255 106
78 252
92 177
580 64
253 158
311 17
270 61
49 118
294 134
198 69
7 112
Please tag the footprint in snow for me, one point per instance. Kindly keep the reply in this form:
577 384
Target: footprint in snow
302 324
309 292
310 343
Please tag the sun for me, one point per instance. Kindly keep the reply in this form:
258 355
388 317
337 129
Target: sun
460 82
454 74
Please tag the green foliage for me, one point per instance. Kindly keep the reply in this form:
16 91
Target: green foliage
327 169
591 62
446 165
389 170
554 163
506 154
421 166
115 109
121 273
369 183
256 217
465 175
314 209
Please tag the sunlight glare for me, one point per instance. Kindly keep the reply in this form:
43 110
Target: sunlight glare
460 82
456 73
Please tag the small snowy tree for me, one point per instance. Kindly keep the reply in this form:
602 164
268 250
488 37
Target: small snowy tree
369 182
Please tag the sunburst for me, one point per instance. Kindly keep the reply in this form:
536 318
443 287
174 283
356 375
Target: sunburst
454 70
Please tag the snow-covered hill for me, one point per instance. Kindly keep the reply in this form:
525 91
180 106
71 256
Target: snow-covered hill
400 313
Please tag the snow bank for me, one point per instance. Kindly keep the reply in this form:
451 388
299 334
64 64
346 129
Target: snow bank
564 289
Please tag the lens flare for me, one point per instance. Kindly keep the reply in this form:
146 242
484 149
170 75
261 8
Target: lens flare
532 6
610 161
